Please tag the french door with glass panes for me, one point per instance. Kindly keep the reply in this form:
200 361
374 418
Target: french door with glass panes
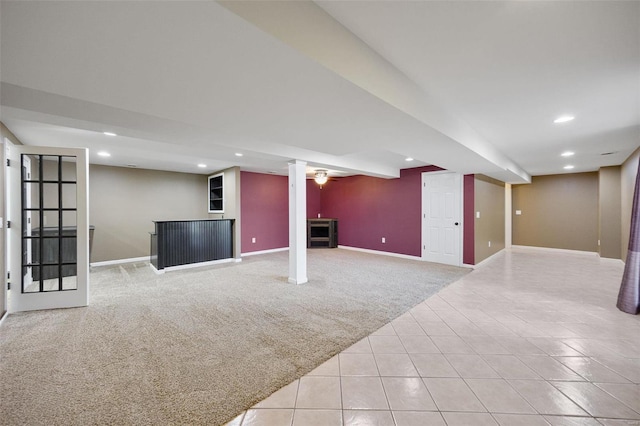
49 228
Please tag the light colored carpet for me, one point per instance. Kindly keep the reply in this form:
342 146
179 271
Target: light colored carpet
201 345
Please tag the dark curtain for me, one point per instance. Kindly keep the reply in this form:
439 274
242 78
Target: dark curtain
629 296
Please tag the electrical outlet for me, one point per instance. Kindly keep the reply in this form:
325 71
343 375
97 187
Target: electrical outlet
477 215
253 240
489 243
384 240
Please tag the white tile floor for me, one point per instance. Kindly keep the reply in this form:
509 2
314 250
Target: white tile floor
530 338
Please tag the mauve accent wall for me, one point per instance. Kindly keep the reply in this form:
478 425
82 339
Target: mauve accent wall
468 229
314 199
264 202
369 208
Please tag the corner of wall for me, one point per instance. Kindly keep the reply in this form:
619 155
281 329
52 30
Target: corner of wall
468 239
628 173
610 212
488 216
232 206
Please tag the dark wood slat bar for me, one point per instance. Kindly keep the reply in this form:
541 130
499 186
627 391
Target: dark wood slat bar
183 242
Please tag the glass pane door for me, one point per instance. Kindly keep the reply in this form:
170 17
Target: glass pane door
50 227
49 234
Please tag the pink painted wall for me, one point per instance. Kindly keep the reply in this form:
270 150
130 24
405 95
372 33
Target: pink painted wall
468 238
264 207
369 208
314 199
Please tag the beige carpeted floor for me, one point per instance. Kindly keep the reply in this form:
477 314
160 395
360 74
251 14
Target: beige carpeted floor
201 345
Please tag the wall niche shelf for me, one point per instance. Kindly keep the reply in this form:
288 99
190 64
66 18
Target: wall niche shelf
322 233
216 193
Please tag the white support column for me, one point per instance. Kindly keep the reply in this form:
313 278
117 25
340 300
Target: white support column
297 222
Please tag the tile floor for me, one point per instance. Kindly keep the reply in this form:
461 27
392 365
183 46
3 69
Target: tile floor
531 337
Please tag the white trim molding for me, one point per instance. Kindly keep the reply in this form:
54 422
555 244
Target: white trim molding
191 265
485 261
254 253
384 253
612 260
119 261
556 250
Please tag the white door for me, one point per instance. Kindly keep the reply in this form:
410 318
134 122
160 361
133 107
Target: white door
4 212
441 217
49 227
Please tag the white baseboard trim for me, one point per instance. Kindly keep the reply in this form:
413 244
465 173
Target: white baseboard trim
485 261
611 260
118 261
254 253
191 265
556 250
384 253
6 314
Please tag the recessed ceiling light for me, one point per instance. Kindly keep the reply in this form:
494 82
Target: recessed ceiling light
239 154
109 133
202 166
568 153
564 119
568 167
408 159
104 154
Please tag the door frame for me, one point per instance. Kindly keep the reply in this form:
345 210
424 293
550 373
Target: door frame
27 198
460 212
4 267
51 299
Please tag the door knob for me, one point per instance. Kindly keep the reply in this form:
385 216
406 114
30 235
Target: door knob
456 224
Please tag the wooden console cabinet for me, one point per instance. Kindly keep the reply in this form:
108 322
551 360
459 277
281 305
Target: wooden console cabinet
322 233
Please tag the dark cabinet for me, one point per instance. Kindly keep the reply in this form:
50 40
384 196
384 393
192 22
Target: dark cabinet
322 233
58 250
183 242
216 193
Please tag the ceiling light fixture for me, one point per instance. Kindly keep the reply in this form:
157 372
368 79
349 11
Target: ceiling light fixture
568 167
408 159
563 119
321 177
202 166
104 154
239 154
109 133
567 153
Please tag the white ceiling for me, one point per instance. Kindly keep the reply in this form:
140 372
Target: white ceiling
354 87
